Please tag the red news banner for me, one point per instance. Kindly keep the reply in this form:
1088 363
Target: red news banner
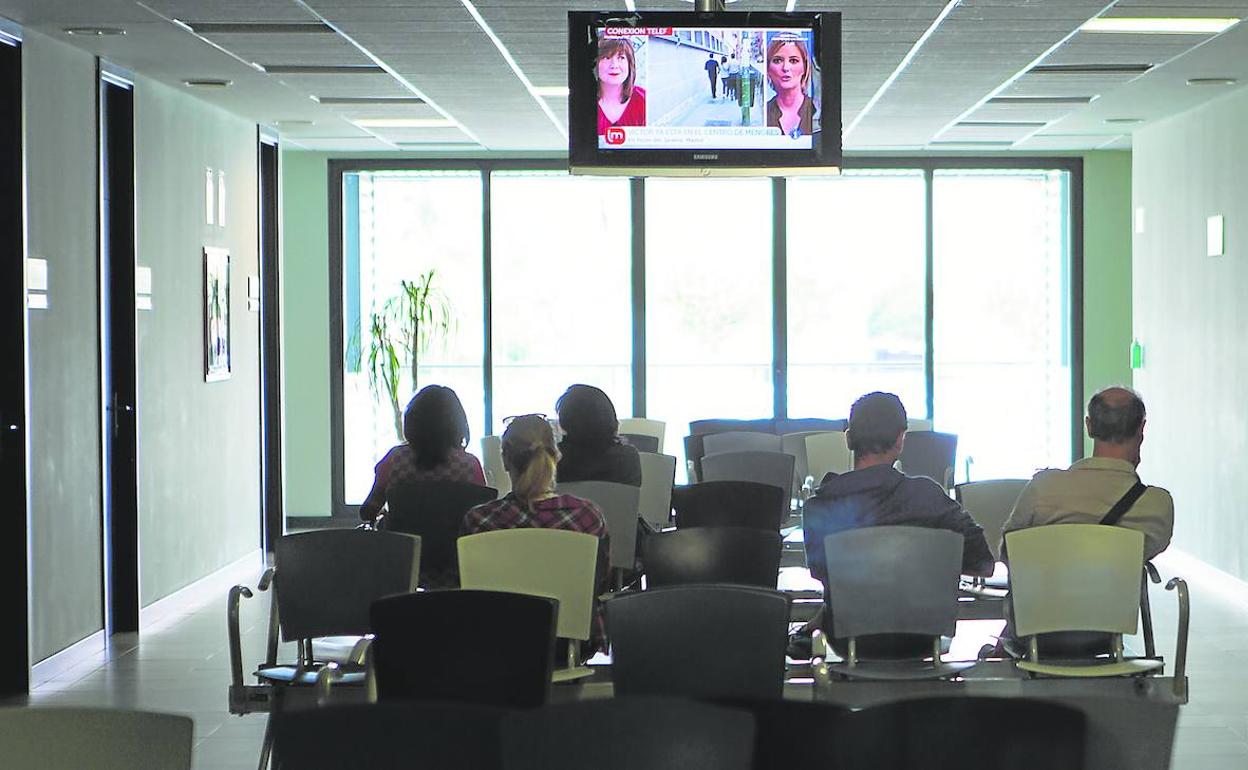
637 31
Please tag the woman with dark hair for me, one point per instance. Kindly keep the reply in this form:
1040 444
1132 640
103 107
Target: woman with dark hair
592 449
436 432
621 102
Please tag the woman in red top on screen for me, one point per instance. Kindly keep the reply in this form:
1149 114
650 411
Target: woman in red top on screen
788 68
436 432
620 101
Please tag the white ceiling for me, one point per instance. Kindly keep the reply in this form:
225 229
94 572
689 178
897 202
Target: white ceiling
967 86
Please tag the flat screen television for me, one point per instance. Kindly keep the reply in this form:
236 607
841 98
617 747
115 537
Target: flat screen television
704 94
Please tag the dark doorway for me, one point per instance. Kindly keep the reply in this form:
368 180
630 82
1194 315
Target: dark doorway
118 357
14 587
272 479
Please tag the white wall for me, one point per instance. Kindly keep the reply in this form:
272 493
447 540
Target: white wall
1189 314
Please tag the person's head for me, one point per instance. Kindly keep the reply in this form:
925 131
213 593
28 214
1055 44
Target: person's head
723 60
1115 422
877 426
530 456
788 64
434 423
587 416
615 66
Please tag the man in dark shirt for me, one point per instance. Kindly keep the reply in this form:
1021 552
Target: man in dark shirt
712 72
876 494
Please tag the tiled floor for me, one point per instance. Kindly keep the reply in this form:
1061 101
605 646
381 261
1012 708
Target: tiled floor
180 664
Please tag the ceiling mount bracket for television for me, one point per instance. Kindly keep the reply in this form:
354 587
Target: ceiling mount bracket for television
709 6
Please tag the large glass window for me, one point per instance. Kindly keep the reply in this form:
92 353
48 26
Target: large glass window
1002 328
856 279
399 226
708 302
561 249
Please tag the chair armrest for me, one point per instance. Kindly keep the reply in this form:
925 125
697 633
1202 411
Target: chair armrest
1151 570
237 594
360 652
325 679
270 649
1179 585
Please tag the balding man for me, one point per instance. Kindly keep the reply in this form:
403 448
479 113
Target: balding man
1093 486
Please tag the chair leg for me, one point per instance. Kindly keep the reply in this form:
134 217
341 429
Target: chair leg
266 748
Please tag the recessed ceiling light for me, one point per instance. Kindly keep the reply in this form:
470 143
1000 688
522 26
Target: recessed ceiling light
403 123
1041 99
207 83
1124 121
550 90
1158 26
1088 69
373 100
294 123
322 69
1211 81
94 31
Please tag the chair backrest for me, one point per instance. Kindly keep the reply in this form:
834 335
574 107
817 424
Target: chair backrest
1075 577
620 504
948 733
886 580
990 503
628 734
658 475
915 423
434 510
642 442
791 734
774 468
712 555
746 627
641 426
808 425
98 738
828 452
931 454
740 441
325 580
795 444
390 736
707 427
555 563
492 462
444 646
730 504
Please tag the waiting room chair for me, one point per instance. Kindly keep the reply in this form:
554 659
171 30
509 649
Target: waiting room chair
785 425
712 555
98 738
642 443
740 441
894 581
827 453
931 454
915 423
990 503
700 429
730 504
492 463
553 563
620 504
323 584
699 641
434 510
1084 578
640 426
629 734
774 468
492 648
795 444
391 736
791 734
658 476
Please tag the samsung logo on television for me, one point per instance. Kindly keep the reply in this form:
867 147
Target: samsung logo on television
706 156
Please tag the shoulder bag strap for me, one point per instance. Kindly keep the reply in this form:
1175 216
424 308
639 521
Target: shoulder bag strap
1124 504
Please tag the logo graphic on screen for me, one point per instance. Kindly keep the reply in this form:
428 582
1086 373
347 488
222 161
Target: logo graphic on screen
615 135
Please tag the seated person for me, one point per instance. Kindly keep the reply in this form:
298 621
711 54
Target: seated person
876 494
436 432
530 458
1088 491
592 449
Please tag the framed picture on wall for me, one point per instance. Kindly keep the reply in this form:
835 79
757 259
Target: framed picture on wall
216 314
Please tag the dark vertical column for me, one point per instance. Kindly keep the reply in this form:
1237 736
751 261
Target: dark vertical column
929 342
340 206
487 288
273 525
637 192
1074 242
118 350
779 300
14 585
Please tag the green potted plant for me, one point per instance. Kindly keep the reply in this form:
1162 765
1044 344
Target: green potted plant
404 328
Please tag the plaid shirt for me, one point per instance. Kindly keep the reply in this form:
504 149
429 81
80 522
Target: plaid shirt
560 512
399 465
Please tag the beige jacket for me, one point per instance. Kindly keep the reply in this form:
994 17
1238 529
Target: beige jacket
1085 493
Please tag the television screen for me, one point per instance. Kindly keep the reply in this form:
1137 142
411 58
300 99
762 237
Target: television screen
704 92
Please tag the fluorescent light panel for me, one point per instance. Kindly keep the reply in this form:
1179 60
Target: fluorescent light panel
404 123
322 69
350 100
1041 99
260 27
1089 69
1158 26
